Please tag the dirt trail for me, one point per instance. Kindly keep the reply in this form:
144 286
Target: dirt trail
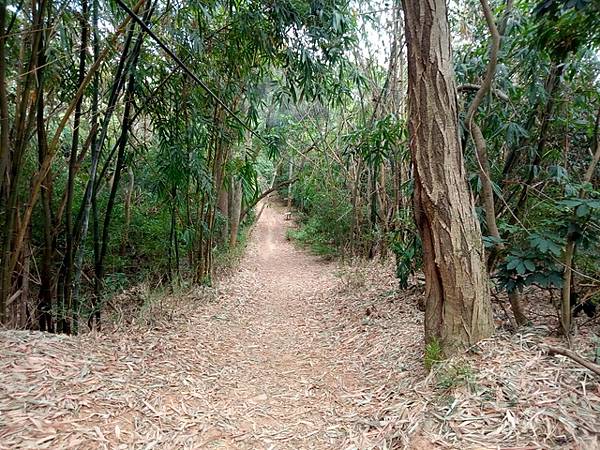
281 382
268 364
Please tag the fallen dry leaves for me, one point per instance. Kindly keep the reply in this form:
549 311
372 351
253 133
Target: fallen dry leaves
290 352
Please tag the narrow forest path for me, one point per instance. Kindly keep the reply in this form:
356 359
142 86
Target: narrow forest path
282 380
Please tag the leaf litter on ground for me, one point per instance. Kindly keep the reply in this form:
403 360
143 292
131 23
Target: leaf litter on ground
292 352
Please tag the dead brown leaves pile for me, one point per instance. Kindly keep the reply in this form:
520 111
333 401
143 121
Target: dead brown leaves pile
291 352
505 393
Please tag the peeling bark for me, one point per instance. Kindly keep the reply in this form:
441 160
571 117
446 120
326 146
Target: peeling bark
457 298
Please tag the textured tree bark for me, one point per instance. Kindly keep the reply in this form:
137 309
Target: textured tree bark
457 299
516 305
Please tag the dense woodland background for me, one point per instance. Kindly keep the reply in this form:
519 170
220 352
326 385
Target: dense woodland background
121 165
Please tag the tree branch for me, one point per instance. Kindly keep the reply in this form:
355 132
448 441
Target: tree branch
575 357
264 194
487 192
476 87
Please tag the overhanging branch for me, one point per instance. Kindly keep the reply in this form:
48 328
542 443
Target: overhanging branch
264 194
475 87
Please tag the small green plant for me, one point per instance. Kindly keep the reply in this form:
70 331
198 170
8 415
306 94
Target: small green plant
227 258
433 353
408 255
454 375
533 263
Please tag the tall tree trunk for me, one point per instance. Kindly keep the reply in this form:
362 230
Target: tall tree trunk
128 196
94 320
53 145
45 294
97 142
4 152
44 312
69 235
16 225
81 230
101 247
4 119
457 298
25 106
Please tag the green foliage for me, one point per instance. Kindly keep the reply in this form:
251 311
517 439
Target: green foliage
527 267
186 143
315 107
378 141
548 69
327 219
339 211
564 26
312 234
433 354
454 375
226 258
534 258
408 253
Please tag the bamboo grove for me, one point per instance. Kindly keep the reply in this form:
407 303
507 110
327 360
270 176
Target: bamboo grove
100 125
